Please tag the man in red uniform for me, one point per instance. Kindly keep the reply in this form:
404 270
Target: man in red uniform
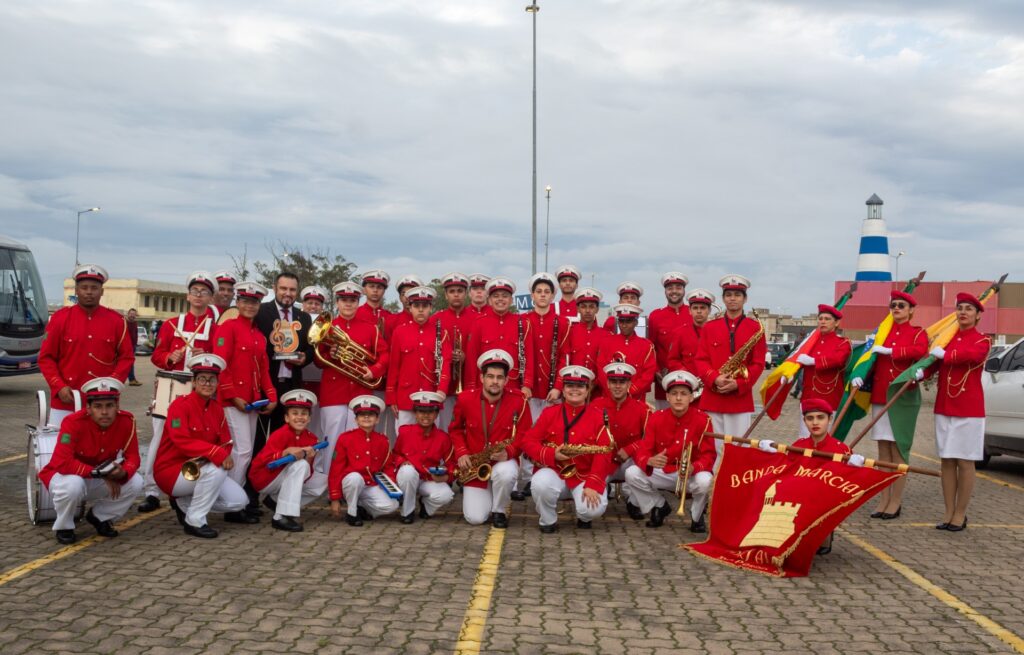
626 346
559 475
825 365
478 293
499 328
682 353
421 357
629 294
196 427
729 399
361 452
95 459
568 281
337 389
905 345
374 284
83 342
662 325
313 299
424 459
245 381
627 420
456 320
658 459
585 335
550 343
288 488
225 293
485 416
191 333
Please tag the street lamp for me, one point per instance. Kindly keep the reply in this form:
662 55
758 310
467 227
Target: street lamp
78 228
897 256
533 9
547 226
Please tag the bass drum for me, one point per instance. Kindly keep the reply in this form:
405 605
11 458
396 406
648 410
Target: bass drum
41 442
169 386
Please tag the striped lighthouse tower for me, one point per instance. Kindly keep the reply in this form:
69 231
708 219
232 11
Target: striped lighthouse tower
873 259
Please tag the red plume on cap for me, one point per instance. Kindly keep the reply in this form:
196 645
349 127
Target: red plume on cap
963 296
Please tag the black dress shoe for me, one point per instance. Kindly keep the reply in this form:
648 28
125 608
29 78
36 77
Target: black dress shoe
894 515
825 550
699 526
634 511
354 521
286 523
203 532
952 527
270 503
942 526
253 510
363 514
66 537
526 490
658 515
877 515
103 528
177 510
150 504
409 518
241 517
499 520
518 496
548 529
582 525
423 512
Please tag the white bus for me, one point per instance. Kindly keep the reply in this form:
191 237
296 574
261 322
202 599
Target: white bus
23 313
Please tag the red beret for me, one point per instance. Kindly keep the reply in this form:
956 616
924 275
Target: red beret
829 309
899 295
815 405
963 296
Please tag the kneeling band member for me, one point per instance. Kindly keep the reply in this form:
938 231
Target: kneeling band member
627 420
484 423
572 444
670 433
95 459
359 454
424 459
287 488
197 432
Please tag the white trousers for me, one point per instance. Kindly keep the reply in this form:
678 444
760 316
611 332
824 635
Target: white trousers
242 426
525 471
619 475
150 488
292 491
444 419
69 491
315 424
336 420
734 424
548 488
435 495
57 416
647 489
537 406
213 491
477 503
370 497
388 422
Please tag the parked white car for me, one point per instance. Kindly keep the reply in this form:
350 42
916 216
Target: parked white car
1003 382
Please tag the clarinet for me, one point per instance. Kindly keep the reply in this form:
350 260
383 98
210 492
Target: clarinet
522 352
554 356
438 359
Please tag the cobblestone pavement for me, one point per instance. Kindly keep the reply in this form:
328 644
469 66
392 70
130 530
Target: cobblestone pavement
389 588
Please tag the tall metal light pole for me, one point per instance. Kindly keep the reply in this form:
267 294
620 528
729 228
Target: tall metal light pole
547 226
897 256
533 9
78 228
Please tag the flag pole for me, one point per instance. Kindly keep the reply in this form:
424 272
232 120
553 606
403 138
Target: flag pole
764 410
842 412
838 457
885 408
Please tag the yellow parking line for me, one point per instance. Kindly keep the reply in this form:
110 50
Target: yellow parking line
981 475
948 599
472 632
18 571
13 458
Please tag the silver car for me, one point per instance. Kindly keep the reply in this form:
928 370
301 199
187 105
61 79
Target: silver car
1003 383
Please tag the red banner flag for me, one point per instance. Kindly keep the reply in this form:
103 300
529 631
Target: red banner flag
770 512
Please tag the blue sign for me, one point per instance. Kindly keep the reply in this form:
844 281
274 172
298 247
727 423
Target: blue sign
524 302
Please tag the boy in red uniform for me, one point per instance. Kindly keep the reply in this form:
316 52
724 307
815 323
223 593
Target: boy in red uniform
682 354
456 321
662 325
657 461
629 294
500 328
550 343
421 356
627 346
568 277
358 454
585 335
478 294
424 459
627 420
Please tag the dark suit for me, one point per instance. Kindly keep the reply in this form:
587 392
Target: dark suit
265 318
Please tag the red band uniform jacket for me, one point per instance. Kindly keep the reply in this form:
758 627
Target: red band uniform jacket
474 425
669 433
358 452
662 326
909 343
168 340
338 389
635 351
82 446
424 451
195 428
588 429
960 391
494 331
714 350
247 376
413 363
825 380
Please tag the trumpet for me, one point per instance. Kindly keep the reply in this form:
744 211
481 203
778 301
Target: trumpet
191 469
352 359
480 463
684 475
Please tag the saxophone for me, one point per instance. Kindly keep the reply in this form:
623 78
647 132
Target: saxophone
480 463
576 449
734 367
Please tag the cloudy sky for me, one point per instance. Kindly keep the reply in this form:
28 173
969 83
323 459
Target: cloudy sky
706 137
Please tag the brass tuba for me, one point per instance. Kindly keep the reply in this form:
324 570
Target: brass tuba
352 358
734 367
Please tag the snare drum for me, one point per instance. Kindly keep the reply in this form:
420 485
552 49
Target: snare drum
170 385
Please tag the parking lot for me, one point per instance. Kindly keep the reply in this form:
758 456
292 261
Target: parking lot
442 586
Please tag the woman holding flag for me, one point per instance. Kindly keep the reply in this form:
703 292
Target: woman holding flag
960 410
825 364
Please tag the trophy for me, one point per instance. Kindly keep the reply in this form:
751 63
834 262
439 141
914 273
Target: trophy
285 339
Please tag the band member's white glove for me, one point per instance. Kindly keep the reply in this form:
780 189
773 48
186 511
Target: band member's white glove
870 337
785 380
856 460
919 374
766 445
881 350
805 360
857 383
938 352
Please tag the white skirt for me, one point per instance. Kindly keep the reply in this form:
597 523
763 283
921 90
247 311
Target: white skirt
960 437
882 430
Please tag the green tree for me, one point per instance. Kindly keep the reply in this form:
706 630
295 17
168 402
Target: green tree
312 265
441 301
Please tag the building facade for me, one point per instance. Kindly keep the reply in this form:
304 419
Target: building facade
152 300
